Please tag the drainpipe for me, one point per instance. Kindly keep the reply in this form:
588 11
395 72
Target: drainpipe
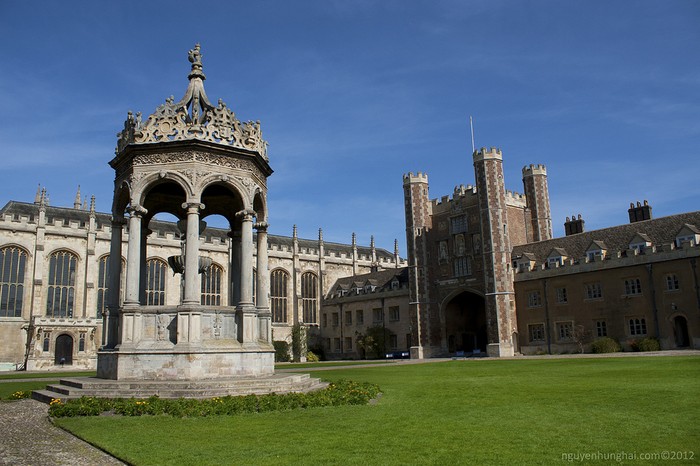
654 309
693 265
546 318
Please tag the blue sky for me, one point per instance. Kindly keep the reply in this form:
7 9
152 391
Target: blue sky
353 94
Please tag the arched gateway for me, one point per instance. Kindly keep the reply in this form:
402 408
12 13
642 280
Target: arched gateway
190 159
465 323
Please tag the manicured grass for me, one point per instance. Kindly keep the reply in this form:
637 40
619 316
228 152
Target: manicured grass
317 365
45 375
8 388
456 412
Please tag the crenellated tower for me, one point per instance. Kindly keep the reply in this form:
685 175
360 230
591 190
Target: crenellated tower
498 277
418 221
537 193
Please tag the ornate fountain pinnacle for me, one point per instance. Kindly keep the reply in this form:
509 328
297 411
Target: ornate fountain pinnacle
195 57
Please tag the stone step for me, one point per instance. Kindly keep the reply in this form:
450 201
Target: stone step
103 388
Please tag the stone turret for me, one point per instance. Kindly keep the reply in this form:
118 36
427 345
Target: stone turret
418 210
537 193
498 276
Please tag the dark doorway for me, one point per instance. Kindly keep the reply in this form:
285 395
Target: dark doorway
680 328
64 350
465 323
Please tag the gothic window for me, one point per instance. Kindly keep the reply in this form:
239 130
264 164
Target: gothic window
359 317
211 285
61 291
278 295
12 264
46 342
462 267
637 326
458 224
562 297
156 271
594 291
309 296
536 332
672 283
534 299
565 331
81 342
103 284
601 328
633 286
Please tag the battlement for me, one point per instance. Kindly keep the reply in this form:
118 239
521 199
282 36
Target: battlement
515 198
419 177
488 154
459 193
534 169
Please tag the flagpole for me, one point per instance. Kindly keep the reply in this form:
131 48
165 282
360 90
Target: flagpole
471 126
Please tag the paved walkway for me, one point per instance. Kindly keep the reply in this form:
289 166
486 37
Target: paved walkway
29 438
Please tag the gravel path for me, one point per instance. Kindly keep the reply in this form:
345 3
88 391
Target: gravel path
29 438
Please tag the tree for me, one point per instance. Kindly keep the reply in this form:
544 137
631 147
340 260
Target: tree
299 342
374 341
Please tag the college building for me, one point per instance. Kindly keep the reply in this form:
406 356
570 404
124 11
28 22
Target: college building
483 274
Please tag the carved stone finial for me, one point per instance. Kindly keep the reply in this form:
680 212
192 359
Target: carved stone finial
396 247
371 241
320 235
92 204
193 117
294 231
354 239
37 198
77 203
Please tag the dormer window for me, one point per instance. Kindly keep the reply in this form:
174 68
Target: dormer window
554 262
688 234
640 243
596 251
524 263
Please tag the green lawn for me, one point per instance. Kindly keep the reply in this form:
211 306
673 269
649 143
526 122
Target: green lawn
8 388
456 412
318 365
45 375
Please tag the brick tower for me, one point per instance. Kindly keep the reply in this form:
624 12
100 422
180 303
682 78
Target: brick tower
498 276
418 222
537 193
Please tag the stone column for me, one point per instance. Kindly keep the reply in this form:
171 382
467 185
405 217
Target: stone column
249 333
234 268
263 286
246 257
133 266
110 322
192 283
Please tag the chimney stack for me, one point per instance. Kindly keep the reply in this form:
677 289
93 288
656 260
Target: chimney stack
574 225
640 212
